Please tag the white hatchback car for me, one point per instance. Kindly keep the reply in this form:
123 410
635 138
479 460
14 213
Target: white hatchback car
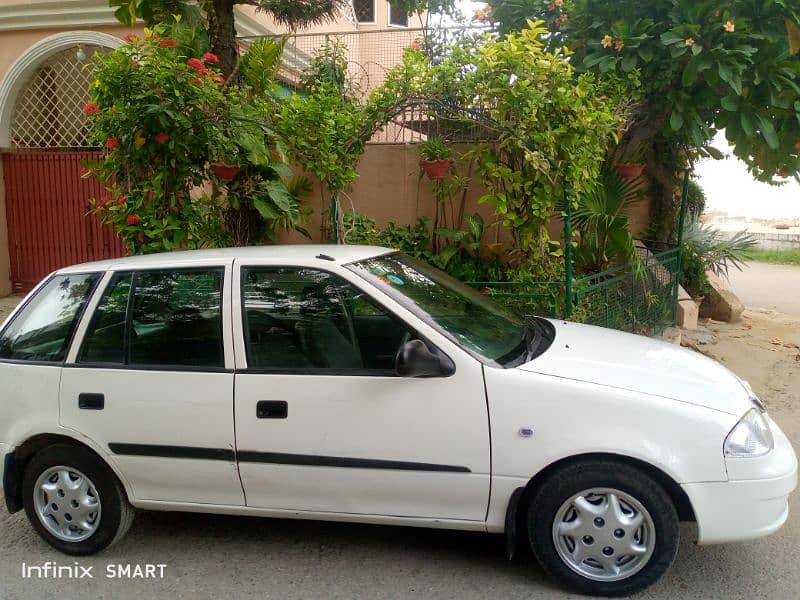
354 383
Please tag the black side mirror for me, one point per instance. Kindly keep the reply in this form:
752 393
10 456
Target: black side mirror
415 359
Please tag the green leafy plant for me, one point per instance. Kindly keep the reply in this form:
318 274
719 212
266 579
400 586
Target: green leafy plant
702 67
551 128
601 217
718 252
163 112
435 148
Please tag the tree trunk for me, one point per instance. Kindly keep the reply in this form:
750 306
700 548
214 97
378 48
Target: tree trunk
222 31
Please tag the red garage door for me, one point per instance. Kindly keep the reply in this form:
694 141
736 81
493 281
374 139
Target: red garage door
49 225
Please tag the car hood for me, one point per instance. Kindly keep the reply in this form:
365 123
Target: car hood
640 364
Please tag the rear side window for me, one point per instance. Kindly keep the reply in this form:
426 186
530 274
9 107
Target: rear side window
158 318
43 329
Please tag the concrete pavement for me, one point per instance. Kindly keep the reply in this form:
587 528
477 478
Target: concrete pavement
764 285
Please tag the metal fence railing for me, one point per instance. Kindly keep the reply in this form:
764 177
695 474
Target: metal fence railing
636 297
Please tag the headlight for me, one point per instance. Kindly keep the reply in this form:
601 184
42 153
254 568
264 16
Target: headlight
750 437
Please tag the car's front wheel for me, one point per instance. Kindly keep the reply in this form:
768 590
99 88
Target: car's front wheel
74 501
603 528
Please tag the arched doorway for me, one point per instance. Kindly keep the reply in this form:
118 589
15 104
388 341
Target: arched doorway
43 134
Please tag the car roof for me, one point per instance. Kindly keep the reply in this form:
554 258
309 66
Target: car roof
286 254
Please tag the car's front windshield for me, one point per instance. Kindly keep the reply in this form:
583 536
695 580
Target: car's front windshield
472 320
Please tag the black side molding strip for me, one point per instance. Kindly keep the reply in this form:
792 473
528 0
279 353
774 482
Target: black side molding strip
308 460
278 458
173 451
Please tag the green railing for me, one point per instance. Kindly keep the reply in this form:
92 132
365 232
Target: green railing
636 297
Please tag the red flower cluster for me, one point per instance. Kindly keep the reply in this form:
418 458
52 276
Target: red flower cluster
167 43
112 143
211 58
122 200
161 138
130 37
197 65
90 108
134 219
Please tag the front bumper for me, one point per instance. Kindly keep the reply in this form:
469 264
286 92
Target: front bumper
754 502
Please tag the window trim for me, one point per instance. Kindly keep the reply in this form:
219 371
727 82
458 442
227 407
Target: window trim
374 14
337 372
389 18
79 315
127 366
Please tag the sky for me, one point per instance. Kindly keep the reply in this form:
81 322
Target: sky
730 188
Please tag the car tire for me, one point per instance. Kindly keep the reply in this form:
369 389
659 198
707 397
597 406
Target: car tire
583 527
63 478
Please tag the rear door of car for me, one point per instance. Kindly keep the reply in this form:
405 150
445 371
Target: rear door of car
150 380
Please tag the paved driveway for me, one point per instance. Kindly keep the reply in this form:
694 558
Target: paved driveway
763 285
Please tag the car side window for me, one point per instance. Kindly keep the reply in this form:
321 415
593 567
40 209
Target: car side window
104 341
43 328
159 318
298 318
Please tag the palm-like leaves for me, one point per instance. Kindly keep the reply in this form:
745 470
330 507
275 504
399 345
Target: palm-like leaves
718 252
602 219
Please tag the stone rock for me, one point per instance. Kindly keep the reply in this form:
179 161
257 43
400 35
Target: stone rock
721 305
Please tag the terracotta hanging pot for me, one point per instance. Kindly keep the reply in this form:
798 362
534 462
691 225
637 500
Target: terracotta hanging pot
630 170
436 169
225 171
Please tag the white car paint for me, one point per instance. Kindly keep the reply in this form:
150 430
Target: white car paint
593 391
639 364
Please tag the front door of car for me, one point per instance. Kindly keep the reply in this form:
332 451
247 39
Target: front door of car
324 424
150 384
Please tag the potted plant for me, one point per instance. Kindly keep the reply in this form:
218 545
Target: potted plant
224 162
436 157
631 164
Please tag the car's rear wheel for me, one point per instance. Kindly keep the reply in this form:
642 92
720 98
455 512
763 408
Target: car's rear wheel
73 501
603 528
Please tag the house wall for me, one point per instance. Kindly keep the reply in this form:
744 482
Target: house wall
389 188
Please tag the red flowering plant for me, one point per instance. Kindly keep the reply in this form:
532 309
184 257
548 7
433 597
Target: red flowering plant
159 111
169 124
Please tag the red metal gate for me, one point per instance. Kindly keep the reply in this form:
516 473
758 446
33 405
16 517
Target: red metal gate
49 225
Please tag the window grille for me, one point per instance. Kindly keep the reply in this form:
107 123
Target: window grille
49 109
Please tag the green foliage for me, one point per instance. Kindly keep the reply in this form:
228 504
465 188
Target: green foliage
695 199
601 217
462 257
162 111
693 273
717 251
781 257
435 148
704 66
552 128
260 64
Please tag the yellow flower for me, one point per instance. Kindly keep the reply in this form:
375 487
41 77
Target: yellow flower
729 26
607 41
690 41
619 45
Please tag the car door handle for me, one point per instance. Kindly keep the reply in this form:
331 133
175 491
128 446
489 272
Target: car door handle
91 401
272 409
